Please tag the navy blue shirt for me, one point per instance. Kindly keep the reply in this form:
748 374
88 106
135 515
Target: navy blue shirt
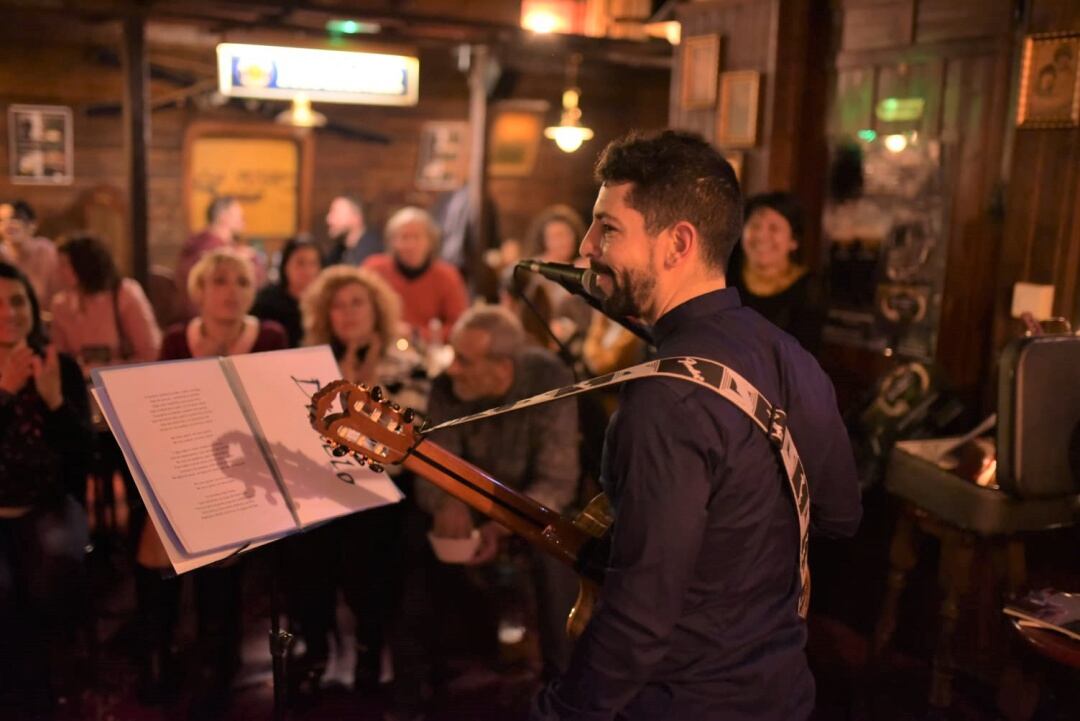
697 617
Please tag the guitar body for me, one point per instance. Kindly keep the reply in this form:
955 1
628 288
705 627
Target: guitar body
595 520
378 432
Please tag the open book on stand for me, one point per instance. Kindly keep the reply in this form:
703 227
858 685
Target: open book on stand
223 453
1049 609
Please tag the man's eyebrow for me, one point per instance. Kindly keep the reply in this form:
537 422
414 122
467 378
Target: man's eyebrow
602 215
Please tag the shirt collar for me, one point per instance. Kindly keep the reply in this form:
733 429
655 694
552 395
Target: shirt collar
705 305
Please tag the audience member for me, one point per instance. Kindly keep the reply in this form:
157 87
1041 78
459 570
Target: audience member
45 443
431 289
553 237
99 317
357 313
352 241
280 301
221 285
534 451
224 224
32 254
769 280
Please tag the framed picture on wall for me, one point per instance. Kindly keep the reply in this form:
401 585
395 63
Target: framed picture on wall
700 66
41 147
737 119
443 157
1049 81
515 139
268 168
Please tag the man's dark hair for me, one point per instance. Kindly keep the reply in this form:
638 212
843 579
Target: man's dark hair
678 176
21 210
37 337
217 207
92 262
785 204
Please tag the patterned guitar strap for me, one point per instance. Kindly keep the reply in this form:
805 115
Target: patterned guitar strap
730 385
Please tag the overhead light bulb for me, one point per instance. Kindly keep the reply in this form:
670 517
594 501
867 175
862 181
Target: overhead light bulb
569 134
568 137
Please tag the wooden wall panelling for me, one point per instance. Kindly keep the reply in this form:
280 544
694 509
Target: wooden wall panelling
853 102
614 100
1042 227
748 32
937 20
964 79
870 24
976 90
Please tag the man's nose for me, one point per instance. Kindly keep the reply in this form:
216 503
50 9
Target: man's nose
588 248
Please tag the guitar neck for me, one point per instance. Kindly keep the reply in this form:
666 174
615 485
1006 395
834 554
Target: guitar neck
534 522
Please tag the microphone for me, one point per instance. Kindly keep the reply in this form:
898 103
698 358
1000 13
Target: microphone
582 282
579 281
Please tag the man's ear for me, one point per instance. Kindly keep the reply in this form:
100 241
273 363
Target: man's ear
683 240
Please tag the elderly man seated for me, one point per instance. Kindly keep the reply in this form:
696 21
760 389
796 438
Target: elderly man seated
534 451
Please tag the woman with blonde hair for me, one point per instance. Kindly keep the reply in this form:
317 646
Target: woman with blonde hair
221 286
359 316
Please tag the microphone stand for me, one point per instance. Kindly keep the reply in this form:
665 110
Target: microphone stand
564 352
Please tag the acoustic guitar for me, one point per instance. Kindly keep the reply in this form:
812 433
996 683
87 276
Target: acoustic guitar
357 420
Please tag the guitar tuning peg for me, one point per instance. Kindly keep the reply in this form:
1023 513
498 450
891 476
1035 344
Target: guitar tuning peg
376 394
363 386
376 467
359 459
409 415
395 406
340 451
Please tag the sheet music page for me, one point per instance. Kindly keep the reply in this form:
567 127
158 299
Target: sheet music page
197 453
181 560
278 386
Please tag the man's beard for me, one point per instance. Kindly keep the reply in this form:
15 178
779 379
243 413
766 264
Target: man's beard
630 292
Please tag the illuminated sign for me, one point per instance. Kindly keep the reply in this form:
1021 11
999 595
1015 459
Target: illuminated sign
893 110
329 76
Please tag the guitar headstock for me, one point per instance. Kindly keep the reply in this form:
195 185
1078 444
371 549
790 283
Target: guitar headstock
372 428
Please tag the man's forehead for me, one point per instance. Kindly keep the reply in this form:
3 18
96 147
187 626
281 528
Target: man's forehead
473 342
611 199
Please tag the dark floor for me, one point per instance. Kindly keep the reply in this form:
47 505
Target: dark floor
1001 678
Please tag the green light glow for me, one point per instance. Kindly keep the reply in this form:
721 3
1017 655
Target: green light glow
867 135
351 27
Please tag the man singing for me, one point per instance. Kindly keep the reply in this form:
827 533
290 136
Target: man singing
698 615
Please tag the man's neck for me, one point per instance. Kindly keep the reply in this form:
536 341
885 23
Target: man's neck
685 290
223 232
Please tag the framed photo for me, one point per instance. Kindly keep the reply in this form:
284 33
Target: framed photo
737 120
515 139
443 157
1049 81
700 66
41 144
269 168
